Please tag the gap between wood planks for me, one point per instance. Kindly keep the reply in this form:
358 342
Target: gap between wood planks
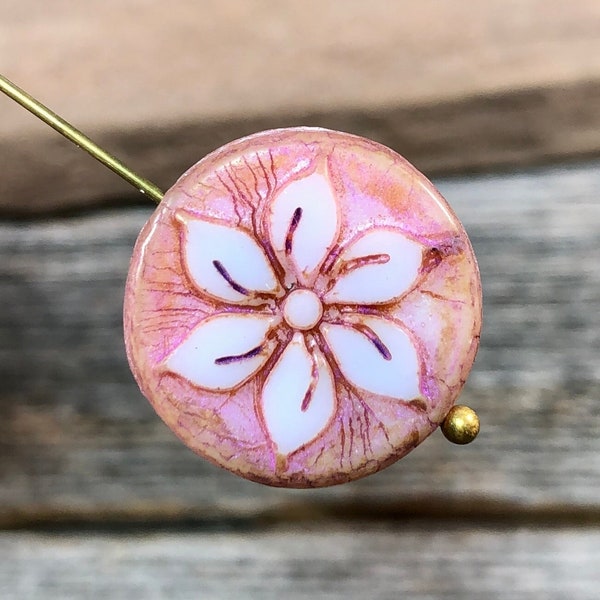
435 512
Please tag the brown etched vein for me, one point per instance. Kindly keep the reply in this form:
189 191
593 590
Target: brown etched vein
363 261
314 380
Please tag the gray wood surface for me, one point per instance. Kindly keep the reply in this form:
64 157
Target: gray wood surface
79 443
98 500
321 562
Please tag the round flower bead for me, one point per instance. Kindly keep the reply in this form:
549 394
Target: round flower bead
303 308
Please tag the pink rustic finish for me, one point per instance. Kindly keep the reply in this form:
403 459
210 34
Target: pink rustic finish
303 308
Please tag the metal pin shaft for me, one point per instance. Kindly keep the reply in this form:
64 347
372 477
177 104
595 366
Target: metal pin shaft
79 139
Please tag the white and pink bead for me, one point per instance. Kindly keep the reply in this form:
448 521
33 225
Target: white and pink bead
303 308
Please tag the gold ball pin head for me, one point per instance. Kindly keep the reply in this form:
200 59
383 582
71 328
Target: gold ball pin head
461 425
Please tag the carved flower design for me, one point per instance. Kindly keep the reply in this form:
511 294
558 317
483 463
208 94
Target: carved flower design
298 311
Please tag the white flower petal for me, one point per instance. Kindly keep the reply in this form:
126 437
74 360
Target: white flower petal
224 262
224 351
298 397
379 266
376 355
304 222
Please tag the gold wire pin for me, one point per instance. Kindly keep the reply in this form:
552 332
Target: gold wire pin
79 139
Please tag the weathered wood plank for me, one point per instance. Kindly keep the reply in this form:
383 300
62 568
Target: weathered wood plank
362 561
79 442
502 85
248 57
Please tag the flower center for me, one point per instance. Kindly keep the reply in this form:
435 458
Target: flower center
302 309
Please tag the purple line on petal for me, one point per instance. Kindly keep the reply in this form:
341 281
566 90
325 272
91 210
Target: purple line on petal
375 340
292 228
227 277
226 360
383 349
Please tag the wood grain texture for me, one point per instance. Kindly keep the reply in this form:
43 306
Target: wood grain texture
326 561
506 83
78 442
